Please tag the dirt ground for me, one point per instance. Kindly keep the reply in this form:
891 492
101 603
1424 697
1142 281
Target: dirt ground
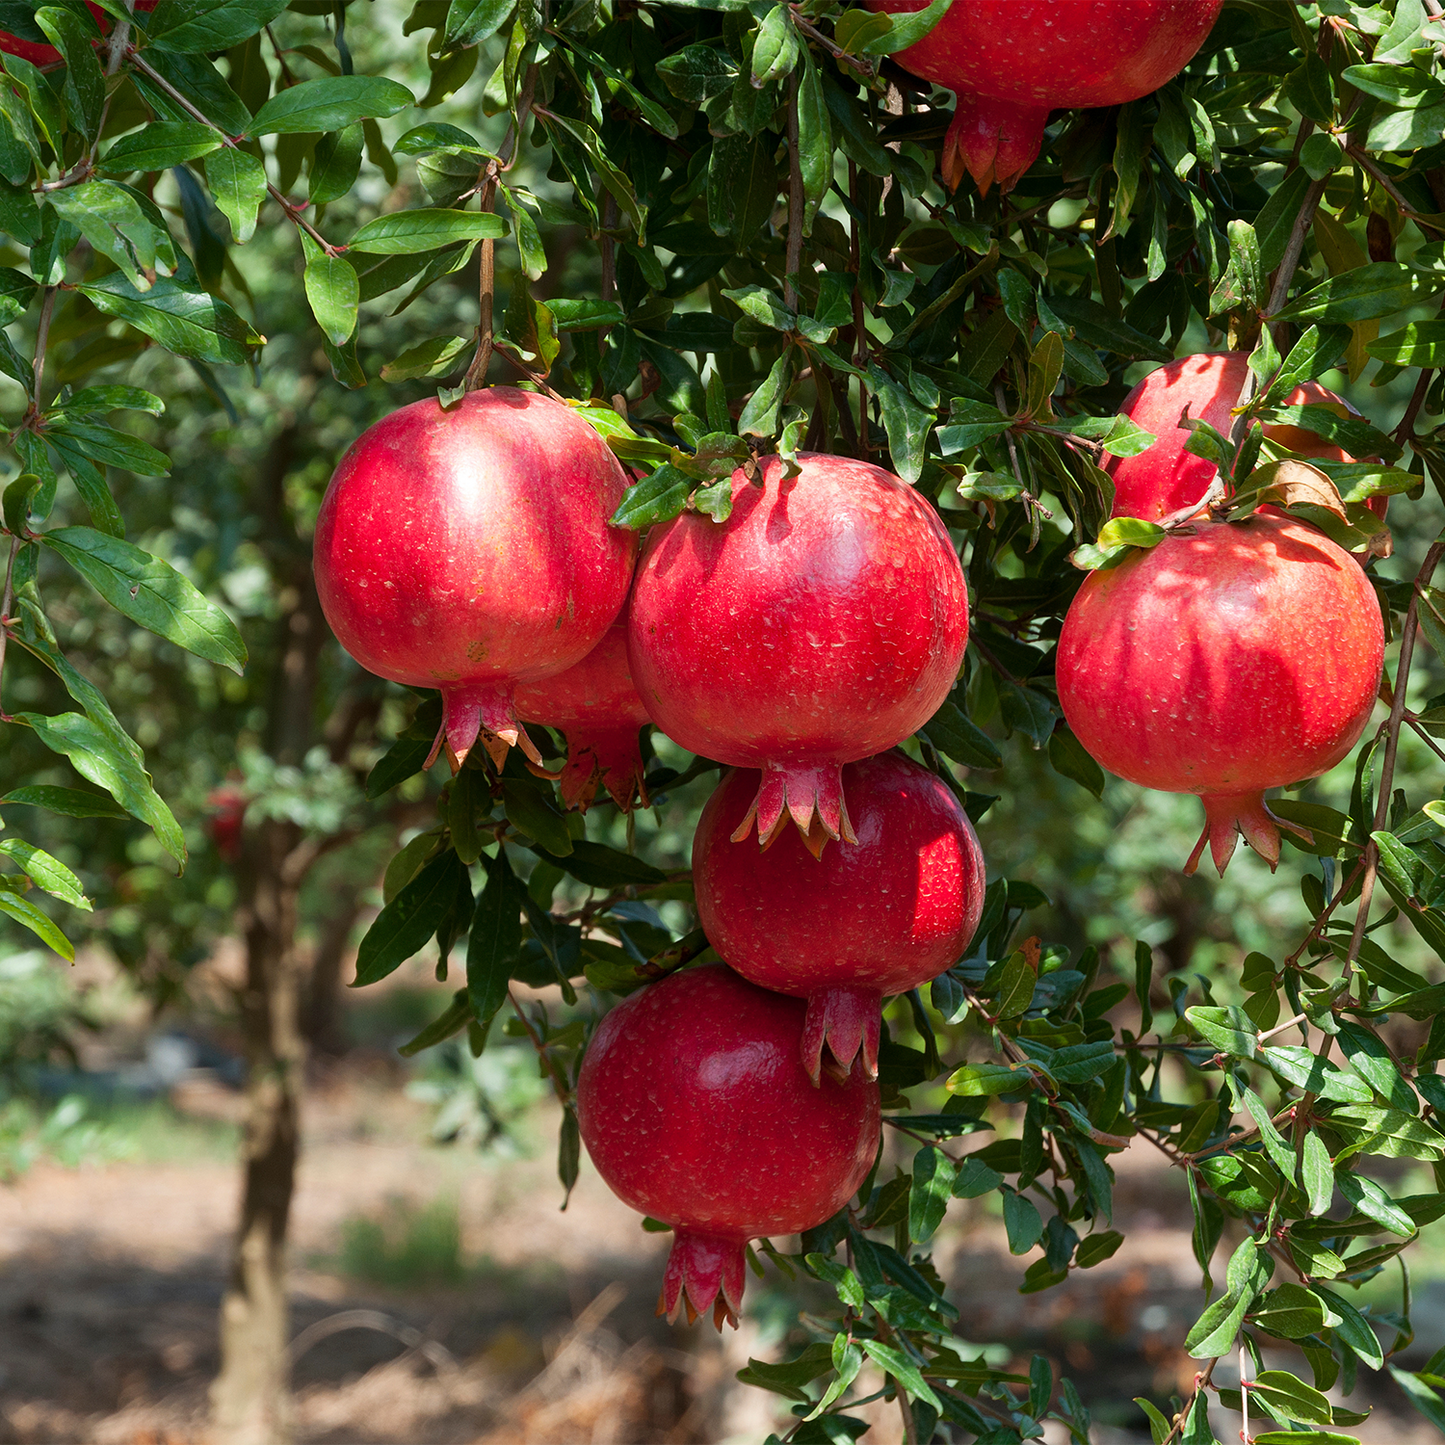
110 1278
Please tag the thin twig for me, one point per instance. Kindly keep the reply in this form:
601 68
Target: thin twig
1392 746
1294 247
1365 161
42 341
1405 432
292 211
8 598
832 47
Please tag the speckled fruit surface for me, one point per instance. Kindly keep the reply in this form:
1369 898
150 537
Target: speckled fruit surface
875 917
1240 658
696 1110
596 707
1165 478
468 550
823 622
1010 62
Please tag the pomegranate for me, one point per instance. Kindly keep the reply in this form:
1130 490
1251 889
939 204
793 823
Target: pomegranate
596 707
1010 62
695 1109
823 622
226 820
1239 657
469 550
875 917
38 52
1165 478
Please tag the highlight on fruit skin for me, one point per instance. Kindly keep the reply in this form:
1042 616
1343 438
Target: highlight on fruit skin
695 1108
823 622
1164 479
1224 661
467 549
1011 62
596 708
872 918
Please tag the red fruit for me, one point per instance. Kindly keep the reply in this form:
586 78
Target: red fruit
469 550
39 53
1240 658
1165 478
597 708
876 917
695 1109
1011 62
823 622
227 820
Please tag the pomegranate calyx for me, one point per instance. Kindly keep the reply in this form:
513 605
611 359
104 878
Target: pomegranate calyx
704 1271
473 710
1227 816
846 1021
811 795
611 759
994 140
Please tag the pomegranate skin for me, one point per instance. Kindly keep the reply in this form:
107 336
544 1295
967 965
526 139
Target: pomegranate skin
596 707
876 917
1010 62
1165 478
1240 658
469 550
823 622
695 1109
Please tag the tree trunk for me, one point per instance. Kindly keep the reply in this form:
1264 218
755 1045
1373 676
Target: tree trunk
250 1395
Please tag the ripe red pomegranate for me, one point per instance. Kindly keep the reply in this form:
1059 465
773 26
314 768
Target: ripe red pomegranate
1010 62
226 821
695 1109
1165 478
823 622
596 707
875 917
469 550
37 52
1239 658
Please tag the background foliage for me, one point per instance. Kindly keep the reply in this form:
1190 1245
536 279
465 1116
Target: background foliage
233 236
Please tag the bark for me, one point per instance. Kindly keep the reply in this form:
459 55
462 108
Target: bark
250 1395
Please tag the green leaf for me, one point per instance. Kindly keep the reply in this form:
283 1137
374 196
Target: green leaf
150 592
953 732
46 872
210 25
457 1015
1317 1173
434 357
1353 1328
103 760
973 1080
1372 1200
335 165
70 802
469 22
329 104
933 1176
106 445
192 324
658 497
161 145
1285 1395
22 910
775 51
1379 289
495 941
238 184
1068 757
907 29
1290 1312
599 866
906 423
408 233
901 1368
1371 1060
1021 1222
1230 1030
334 291
112 220
815 139
406 923
1213 1333
83 83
